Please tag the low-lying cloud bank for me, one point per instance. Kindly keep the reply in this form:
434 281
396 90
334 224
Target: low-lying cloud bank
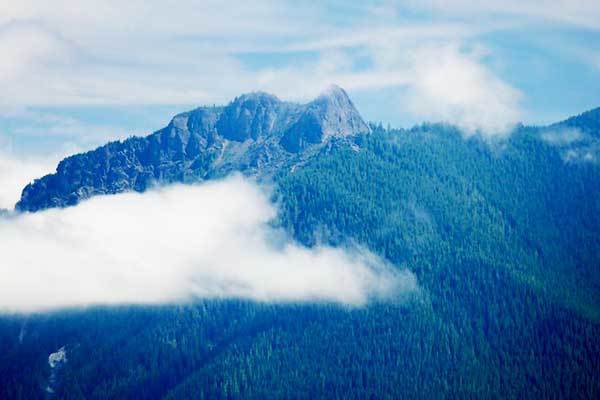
176 244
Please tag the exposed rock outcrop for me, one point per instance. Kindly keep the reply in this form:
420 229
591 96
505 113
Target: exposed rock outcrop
255 134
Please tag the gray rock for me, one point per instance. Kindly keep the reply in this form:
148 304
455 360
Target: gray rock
256 134
330 115
250 116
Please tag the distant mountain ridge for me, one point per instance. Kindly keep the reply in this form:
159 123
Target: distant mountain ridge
578 137
256 132
587 122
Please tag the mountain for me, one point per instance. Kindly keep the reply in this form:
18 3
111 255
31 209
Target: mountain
588 122
578 137
503 239
255 133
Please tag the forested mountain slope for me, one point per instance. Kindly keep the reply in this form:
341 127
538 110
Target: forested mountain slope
504 238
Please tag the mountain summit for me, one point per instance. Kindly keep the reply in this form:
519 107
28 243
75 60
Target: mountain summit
332 114
256 133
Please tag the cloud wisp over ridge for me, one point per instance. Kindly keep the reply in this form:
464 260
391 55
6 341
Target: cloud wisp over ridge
175 244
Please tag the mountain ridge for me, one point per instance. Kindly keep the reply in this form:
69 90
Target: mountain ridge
255 131
503 241
255 134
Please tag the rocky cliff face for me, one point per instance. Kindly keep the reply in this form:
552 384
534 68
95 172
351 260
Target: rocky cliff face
330 115
255 134
250 116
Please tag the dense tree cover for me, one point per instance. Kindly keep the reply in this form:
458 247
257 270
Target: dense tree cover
422 195
503 237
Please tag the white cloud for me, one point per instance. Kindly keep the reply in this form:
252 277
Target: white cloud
563 136
156 53
582 154
435 82
23 45
106 52
16 172
175 244
456 87
574 145
579 13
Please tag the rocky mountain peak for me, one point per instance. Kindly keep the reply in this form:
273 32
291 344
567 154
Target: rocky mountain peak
334 94
249 116
332 114
256 133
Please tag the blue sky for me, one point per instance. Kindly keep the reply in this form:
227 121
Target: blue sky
78 73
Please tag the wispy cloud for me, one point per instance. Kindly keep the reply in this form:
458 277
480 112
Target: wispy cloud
60 53
562 136
578 13
16 172
455 87
176 244
573 145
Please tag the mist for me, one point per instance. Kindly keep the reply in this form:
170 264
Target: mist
16 172
177 244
